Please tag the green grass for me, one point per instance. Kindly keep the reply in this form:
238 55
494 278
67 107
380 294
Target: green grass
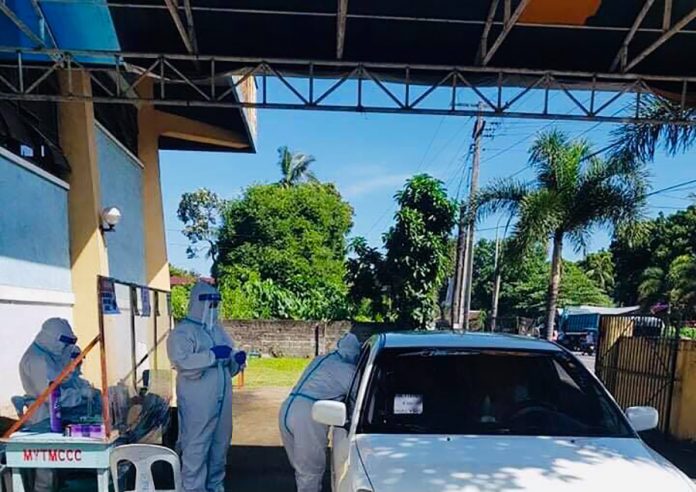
270 372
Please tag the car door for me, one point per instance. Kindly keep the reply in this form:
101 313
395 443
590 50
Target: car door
340 441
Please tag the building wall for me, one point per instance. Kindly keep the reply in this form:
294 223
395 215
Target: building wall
35 280
121 181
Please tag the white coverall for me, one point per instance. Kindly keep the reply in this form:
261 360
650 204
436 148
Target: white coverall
42 362
204 393
327 377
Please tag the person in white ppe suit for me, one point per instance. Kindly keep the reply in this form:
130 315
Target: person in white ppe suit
328 377
204 357
42 362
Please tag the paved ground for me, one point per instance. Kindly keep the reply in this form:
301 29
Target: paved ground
257 460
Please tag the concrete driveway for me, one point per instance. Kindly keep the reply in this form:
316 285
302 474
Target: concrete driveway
257 460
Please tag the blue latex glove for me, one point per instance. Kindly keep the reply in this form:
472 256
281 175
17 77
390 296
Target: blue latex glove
240 357
221 351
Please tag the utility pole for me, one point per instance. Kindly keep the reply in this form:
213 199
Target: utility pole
496 283
471 215
461 291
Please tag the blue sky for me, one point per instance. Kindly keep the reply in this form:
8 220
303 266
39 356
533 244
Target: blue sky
369 156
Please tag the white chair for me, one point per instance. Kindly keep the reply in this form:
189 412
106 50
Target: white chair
143 456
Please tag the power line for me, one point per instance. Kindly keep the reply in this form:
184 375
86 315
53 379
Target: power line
672 187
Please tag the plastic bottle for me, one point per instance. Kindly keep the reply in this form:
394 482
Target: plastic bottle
56 422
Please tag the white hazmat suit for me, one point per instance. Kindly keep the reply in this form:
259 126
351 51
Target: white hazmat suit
42 362
327 377
203 390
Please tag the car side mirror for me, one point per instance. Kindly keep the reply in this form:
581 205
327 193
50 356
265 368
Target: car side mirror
643 418
329 412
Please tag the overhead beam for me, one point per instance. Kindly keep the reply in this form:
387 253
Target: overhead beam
191 25
683 22
622 55
341 17
667 16
506 30
5 9
183 33
483 44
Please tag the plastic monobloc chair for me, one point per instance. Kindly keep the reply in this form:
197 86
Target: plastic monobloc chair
143 456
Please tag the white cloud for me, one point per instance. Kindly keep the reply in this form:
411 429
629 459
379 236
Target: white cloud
374 184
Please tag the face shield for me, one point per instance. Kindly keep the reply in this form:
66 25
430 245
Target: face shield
211 303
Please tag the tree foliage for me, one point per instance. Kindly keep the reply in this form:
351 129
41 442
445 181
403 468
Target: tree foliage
282 252
367 286
295 167
658 129
663 240
573 191
599 267
417 249
524 282
200 212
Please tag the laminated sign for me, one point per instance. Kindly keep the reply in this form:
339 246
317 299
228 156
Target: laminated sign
145 308
107 296
408 404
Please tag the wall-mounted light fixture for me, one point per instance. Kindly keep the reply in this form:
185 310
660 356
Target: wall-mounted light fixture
110 217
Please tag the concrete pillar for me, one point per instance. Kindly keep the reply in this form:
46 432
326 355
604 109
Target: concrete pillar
157 265
87 249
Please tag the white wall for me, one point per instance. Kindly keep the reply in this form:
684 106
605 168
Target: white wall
35 281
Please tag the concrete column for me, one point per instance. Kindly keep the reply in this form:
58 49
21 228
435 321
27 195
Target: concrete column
157 265
87 249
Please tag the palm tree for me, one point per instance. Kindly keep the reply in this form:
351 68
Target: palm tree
661 125
599 267
573 192
295 167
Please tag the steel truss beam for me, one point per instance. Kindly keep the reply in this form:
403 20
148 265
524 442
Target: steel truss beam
678 26
309 85
179 24
622 56
507 27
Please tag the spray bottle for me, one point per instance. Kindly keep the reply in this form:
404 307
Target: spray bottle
56 422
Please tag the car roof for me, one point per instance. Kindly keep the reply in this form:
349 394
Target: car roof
450 339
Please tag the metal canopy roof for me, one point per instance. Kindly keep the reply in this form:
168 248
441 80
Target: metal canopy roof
408 52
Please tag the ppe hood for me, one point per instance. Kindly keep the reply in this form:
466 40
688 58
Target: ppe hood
197 306
348 348
48 339
398 463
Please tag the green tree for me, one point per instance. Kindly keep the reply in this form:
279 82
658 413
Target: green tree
573 191
525 282
663 239
200 212
599 267
366 288
284 248
417 249
294 167
676 286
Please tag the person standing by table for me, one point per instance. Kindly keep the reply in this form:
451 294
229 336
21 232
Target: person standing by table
204 357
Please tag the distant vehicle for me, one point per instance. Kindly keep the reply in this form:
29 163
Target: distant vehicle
479 412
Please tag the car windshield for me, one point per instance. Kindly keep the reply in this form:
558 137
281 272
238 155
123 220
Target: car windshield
486 392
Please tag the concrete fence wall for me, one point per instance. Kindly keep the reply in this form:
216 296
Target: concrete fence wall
287 338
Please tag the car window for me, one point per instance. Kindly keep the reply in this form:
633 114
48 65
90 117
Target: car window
487 392
355 384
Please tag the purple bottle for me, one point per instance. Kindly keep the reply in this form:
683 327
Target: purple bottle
54 411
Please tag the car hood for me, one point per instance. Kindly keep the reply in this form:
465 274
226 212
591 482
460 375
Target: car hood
493 463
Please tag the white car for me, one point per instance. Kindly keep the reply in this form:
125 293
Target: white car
477 412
